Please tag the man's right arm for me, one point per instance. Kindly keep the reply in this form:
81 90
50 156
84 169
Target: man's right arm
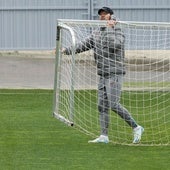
85 45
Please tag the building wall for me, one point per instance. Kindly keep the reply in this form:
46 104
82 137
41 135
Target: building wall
31 24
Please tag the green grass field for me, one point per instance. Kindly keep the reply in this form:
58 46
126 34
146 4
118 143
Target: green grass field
31 139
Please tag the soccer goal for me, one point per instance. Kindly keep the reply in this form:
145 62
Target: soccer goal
146 85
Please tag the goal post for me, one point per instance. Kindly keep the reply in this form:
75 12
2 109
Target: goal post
146 86
57 79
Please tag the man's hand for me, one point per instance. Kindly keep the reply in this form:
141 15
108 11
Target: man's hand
63 50
110 22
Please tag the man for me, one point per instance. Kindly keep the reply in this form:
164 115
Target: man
108 44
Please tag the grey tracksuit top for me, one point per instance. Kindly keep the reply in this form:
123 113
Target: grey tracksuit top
108 45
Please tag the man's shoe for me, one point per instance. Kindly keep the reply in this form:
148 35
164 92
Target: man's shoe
137 134
100 139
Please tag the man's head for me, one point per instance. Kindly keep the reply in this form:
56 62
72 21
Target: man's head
105 13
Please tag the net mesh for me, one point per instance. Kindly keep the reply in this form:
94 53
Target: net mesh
146 86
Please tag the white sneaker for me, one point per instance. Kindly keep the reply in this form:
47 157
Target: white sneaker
137 134
100 139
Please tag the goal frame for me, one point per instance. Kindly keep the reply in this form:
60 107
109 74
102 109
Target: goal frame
62 25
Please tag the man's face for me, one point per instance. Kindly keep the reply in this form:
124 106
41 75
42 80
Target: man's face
104 15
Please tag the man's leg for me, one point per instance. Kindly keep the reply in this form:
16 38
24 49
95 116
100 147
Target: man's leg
113 88
103 107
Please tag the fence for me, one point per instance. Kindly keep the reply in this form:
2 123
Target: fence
31 25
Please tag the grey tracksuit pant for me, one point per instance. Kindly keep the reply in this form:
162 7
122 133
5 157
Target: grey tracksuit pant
109 91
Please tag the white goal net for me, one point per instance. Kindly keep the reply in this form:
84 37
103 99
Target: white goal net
145 91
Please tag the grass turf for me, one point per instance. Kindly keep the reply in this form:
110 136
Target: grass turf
30 138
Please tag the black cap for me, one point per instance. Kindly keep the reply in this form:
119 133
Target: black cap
106 9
